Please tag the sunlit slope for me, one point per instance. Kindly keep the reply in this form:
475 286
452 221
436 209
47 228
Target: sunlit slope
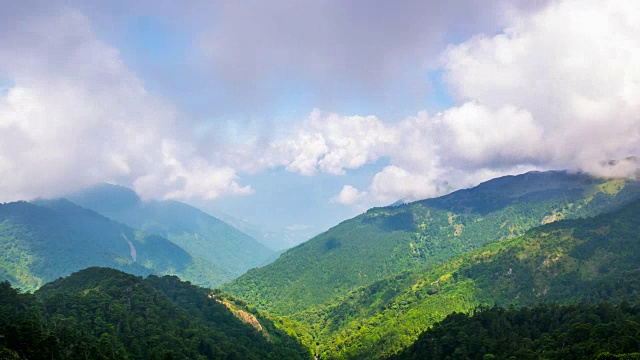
585 260
389 240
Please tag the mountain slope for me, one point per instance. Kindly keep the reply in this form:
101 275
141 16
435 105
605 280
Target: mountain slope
584 260
41 242
546 331
101 313
204 237
389 240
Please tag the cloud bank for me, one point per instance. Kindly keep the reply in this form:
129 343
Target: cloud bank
557 89
74 115
554 85
342 49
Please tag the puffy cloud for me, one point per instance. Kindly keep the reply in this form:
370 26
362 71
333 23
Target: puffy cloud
572 68
429 154
395 183
329 143
480 137
349 195
559 88
75 115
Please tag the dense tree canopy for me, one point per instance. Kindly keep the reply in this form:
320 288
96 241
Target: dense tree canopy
386 241
545 331
101 313
584 260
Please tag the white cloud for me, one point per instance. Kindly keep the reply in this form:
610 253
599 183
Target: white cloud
479 137
573 68
559 88
75 115
394 183
329 143
349 195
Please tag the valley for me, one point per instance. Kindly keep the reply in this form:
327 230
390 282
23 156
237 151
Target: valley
320 180
368 288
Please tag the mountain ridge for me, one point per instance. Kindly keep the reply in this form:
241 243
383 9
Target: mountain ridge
388 240
203 236
587 260
46 239
102 313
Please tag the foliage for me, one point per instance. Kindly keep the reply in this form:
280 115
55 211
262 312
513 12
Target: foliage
42 241
101 313
386 241
208 240
545 331
584 260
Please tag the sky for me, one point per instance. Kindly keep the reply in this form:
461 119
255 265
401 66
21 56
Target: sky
296 115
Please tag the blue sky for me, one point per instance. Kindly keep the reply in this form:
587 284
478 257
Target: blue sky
294 116
293 206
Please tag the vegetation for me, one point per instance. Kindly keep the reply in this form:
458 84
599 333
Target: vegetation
39 243
101 313
584 260
386 241
543 332
208 240
471 279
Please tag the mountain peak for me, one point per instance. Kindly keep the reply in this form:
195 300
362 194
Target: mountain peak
106 197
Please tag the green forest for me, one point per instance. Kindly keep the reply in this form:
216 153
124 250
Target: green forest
319 180
545 331
218 251
386 241
100 313
586 260
536 266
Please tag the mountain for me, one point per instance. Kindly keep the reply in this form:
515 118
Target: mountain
204 237
389 240
587 260
42 241
101 313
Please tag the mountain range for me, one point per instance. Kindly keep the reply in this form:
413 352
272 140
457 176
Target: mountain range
110 226
203 236
538 253
389 240
587 260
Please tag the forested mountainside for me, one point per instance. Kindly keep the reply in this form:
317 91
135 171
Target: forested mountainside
39 243
514 241
101 313
206 238
583 260
389 240
546 331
